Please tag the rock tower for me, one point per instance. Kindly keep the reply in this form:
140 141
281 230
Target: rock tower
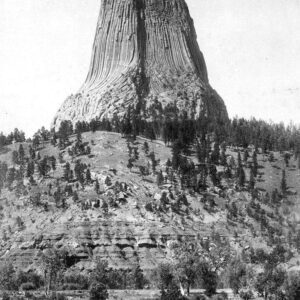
144 51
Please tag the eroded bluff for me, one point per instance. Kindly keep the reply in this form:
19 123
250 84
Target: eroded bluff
144 51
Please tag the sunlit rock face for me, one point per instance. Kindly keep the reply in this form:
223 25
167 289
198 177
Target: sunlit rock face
144 51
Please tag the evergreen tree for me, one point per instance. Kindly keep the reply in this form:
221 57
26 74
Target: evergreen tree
242 177
67 170
99 279
283 184
105 207
159 178
97 186
126 124
31 153
53 163
246 156
88 176
21 153
201 152
43 166
146 148
223 158
239 161
251 180
79 169
139 280
176 154
10 176
214 175
286 159
215 156
36 142
30 169
75 196
130 164
255 164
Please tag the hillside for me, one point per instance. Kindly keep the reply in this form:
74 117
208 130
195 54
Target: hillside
129 206
127 232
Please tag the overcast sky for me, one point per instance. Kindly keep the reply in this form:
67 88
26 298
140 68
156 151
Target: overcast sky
251 47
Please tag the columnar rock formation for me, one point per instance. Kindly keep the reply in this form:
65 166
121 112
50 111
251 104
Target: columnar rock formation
144 51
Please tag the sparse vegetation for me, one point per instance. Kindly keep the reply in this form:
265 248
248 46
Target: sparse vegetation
195 177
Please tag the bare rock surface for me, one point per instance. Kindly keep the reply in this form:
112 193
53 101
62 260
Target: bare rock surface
145 52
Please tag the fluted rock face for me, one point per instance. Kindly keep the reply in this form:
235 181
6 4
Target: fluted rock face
144 50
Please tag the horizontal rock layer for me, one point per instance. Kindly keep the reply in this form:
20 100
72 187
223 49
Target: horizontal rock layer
144 50
123 244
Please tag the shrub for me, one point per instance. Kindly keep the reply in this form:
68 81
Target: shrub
72 287
28 286
31 277
98 291
246 295
75 282
57 296
222 296
29 295
149 207
8 277
5 296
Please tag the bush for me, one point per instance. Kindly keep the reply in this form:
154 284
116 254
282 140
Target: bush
57 296
29 295
222 296
29 278
98 291
246 295
171 293
8 277
75 282
5 296
72 287
28 286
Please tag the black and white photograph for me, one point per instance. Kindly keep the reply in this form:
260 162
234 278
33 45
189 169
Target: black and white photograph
150 149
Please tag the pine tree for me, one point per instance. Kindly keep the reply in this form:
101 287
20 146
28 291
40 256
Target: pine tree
215 156
223 158
97 186
246 156
53 163
30 169
251 180
21 153
146 148
105 207
88 176
31 153
176 154
242 177
67 170
214 175
239 159
159 178
78 169
139 280
255 164
43 166
283 184
10 176
136 154
201 152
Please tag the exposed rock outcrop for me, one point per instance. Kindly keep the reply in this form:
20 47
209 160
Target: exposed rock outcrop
144 50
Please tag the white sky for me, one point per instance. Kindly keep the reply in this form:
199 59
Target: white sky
251 47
